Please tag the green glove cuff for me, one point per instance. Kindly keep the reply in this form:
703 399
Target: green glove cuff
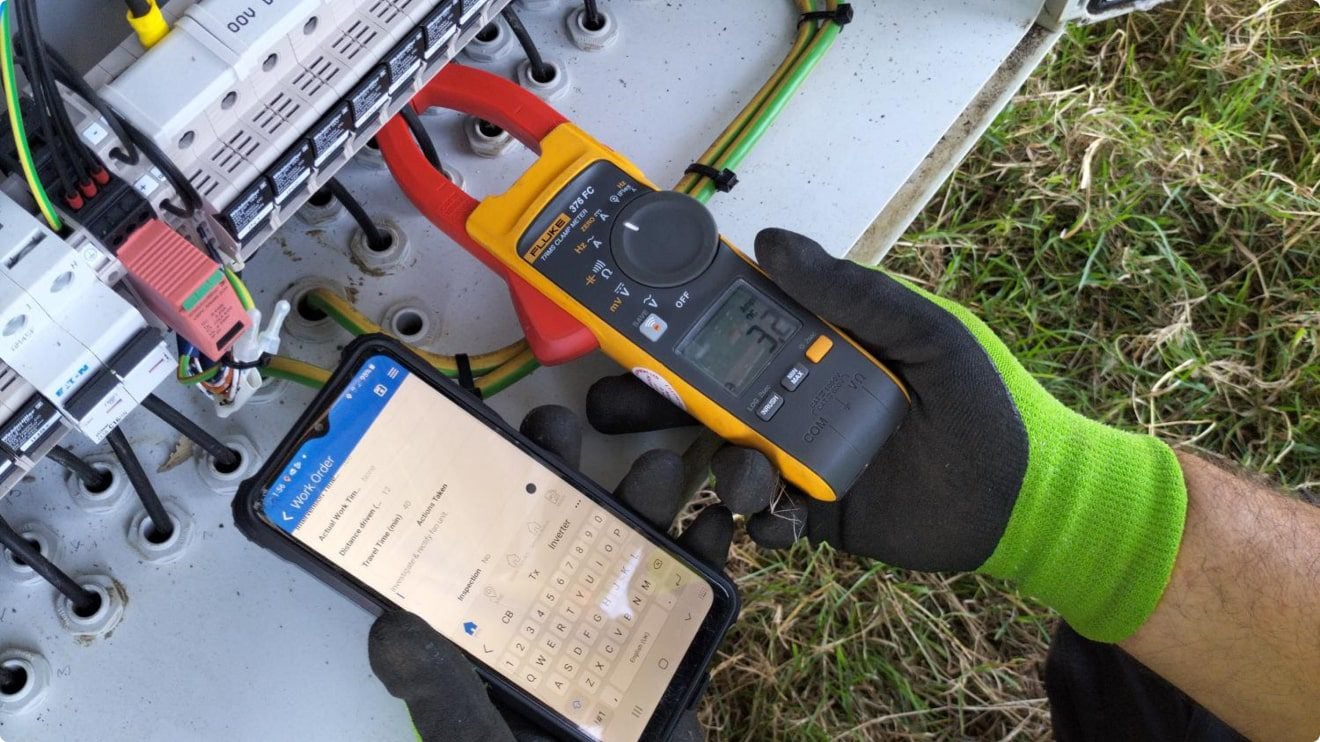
1099 519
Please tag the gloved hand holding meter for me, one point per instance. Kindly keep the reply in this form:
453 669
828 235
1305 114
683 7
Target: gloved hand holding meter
588 621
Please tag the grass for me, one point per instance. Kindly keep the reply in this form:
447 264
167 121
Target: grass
1143 227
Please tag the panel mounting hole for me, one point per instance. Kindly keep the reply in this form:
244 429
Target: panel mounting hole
321 199
386 242
154 544
226 103
24 679
309 27
545 76
596 24
94 606
489 34
189 137
269 62
155 536
372 144
308 312
226 468
489 130
409 323
34 540
104 484
13 679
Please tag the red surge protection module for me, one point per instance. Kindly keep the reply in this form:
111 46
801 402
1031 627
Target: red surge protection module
184 287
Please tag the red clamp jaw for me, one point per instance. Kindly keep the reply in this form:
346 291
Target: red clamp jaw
554 336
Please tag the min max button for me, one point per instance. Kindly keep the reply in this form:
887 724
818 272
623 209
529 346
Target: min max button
794 378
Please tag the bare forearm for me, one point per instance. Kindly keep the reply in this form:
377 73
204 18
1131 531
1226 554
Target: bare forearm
1239 627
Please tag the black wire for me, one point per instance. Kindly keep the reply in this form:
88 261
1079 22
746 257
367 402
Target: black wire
84 601
11 679
594 21
54 102
83 161
64 156
423 138
132 138
262 362
225 457
95 479
541 72
75 82
63 170
192 200
376 239
161 523
138 8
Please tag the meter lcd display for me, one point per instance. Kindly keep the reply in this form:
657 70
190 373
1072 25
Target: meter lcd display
736 342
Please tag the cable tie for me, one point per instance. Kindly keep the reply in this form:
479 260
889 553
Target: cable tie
262 361
842 15
465 378
724 180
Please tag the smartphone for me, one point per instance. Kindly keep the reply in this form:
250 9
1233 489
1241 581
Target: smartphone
404 491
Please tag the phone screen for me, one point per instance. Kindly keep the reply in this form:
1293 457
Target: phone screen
442 515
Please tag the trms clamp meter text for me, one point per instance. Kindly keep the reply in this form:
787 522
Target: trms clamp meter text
644 273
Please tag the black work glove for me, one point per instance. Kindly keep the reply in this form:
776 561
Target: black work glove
988 472
447 699
938 495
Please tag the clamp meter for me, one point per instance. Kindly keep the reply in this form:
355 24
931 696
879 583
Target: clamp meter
597 254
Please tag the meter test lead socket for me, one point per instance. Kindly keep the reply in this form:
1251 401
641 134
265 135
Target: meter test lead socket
594 253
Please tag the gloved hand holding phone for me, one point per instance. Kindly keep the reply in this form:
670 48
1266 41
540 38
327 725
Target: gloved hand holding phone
446 698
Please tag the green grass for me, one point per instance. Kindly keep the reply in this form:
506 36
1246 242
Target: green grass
1143 227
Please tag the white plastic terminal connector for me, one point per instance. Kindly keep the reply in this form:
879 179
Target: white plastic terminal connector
249 349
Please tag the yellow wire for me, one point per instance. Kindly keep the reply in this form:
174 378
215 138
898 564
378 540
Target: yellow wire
817 39
16 124
501 378
283 367
348 317
717 148
240 288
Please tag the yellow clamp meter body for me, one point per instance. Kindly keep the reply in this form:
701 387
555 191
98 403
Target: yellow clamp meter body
647 273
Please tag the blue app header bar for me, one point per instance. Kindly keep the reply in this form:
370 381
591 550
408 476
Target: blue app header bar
316 463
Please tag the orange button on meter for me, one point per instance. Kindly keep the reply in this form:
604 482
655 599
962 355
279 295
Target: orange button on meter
819 349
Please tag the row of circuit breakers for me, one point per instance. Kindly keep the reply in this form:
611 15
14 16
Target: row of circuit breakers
257 103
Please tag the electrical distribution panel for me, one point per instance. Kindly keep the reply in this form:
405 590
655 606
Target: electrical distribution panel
259 104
